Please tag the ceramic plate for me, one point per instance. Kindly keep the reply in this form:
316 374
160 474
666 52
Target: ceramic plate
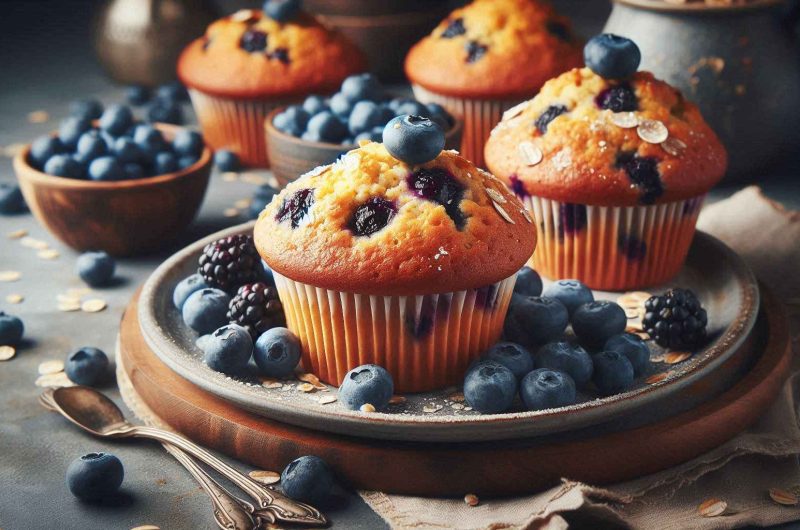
724 284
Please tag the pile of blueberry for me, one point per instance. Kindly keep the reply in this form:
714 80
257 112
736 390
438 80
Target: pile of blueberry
359 111
117 148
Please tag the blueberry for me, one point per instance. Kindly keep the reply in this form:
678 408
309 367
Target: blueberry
475 51
149 139
533 321
571 293
547 389
611 56
90 147
413 139
567 358
116 120
643 173
188 142
340 105
87 366
529 283
261 198
552 112
11 329
126 150
137 95
186 161
455 27
328 127
618 98
173 91
165 111
632 347
277 352
133 171
11 200
490 387
395 104
365 116
226 160
70 131
292 121
95 268
314 105
95 476
362 87
513 356
43 149
371 216
308 479
63 166
613 372
206 310
412 108
106 168
595 322
86 109
165 162
186 287
228 349
281 10
295 207
364 384
438 185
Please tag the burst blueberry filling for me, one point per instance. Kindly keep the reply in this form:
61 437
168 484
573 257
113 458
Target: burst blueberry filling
372 216
253 41
643 173
295 207
419 324
633 248
439 186
573 218
454 29
279 54
475 51
618 98
552 112
518 187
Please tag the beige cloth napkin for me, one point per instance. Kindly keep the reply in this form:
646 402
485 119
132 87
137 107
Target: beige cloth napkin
740 472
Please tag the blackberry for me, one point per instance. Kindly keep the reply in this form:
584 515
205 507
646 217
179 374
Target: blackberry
230 262
675 320
256 308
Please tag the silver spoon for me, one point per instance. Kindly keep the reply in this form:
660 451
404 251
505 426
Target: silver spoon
94 412
230 513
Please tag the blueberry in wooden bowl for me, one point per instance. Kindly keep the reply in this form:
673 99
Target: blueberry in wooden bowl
126 189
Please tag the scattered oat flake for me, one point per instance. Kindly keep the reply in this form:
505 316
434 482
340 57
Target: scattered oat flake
783 497
68 298
632 312
712 508
78 291
640 295
652 131
273 385
265 477
656 378
626 120
675 357
17 234
242 203
67 307
526 215
146 527
515 111
529 153
367 407
230 176
54 380
7 353
48 253
503 213
243 15
38 116
93 305
457 406
431 408
326 400
397 400
673 146
496 195
642 335
14 298
53 366
231 212
306 387
657 358
457 397
471 499
10 276
33 243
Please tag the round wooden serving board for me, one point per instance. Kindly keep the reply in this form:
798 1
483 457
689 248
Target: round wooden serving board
452 469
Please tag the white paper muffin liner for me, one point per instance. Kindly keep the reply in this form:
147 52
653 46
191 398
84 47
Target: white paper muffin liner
613 248
426 341
478 115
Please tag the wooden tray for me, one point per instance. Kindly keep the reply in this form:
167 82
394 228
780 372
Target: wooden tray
511 467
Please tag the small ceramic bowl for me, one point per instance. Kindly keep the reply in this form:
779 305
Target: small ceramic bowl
291 157
123 218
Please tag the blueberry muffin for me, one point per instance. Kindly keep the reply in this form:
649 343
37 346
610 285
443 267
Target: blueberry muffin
250 62
487 57
409 265
614 169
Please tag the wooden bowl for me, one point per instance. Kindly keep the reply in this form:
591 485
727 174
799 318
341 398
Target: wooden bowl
123 218
291 157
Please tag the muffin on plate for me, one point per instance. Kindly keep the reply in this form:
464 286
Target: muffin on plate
408 265
614 164
487 57
250 62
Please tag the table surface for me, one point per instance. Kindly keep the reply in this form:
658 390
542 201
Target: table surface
45 70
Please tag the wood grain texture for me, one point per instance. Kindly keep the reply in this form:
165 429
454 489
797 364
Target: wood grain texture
487 469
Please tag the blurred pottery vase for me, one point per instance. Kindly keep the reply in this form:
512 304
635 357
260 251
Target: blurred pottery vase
738 62
138 41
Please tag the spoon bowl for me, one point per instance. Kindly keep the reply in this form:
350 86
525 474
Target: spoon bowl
89 409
